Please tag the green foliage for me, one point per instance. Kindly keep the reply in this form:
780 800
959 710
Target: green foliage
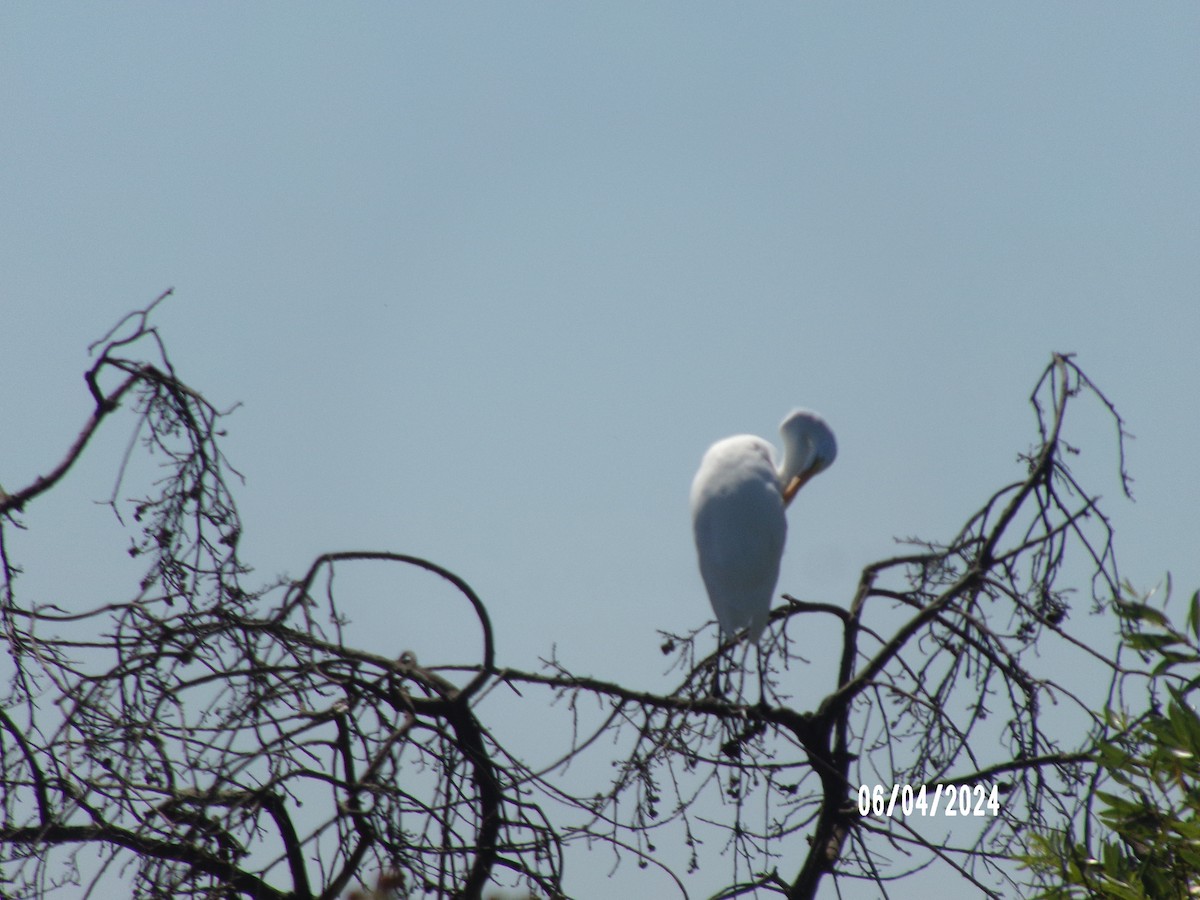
1149 813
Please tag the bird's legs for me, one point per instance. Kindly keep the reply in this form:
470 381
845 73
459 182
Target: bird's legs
718 693
716 681
762 676
727 644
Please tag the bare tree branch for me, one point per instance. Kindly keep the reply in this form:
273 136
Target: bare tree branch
211 739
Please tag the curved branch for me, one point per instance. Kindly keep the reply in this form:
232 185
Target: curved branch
227 873
16 502
488 666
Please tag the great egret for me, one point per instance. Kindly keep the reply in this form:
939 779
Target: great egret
738 501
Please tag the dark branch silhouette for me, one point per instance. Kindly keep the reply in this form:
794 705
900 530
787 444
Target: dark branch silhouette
212 739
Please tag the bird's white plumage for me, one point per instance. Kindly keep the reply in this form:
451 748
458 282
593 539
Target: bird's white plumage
738 500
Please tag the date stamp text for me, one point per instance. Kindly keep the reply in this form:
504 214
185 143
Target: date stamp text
929 800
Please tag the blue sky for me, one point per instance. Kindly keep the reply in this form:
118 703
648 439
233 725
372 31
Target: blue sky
488 279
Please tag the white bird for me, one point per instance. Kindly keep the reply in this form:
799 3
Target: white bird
738 501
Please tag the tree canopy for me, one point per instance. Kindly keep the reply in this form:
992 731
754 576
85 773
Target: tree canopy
208 737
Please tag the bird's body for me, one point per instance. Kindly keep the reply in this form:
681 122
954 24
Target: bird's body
738 501
737 515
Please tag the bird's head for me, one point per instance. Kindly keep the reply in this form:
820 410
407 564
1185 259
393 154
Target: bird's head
809 447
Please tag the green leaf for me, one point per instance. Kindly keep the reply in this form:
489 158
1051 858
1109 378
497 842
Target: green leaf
1142 612
1150 641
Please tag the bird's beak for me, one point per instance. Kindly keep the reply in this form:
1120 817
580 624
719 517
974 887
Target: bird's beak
798 481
